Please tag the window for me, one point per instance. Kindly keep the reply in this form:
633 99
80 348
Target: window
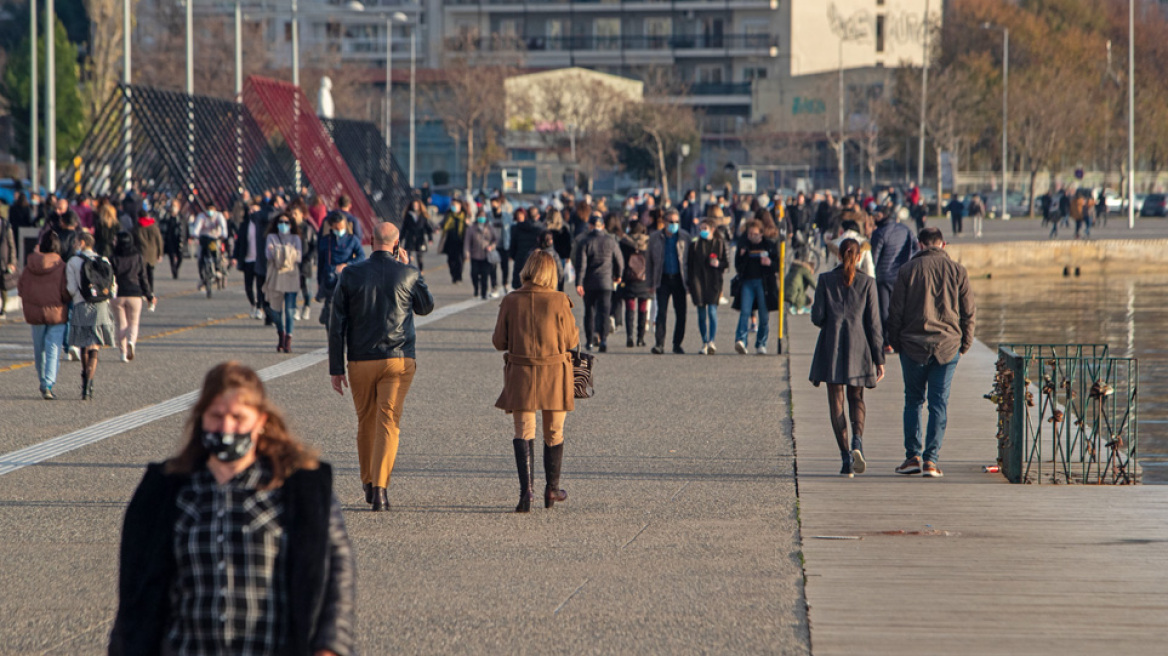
708 74
555 30
752 73
657 32
880 33
606 33
508 28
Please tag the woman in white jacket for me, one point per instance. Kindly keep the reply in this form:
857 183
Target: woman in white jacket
284 250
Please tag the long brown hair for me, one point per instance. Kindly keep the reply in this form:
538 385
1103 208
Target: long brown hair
285 454
849 252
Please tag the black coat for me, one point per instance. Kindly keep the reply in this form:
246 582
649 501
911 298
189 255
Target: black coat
318 566
416 232
524 240
598 261
634 289
851 342
130 273
705 280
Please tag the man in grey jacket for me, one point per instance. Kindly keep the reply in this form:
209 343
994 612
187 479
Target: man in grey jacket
665 267
599 265
930 323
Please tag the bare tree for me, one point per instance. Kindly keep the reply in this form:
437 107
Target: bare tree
103 66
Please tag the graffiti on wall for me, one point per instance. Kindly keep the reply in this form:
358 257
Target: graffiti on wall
900 27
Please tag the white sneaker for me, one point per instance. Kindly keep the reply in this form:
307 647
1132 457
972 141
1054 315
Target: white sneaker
711 348
74 354
306 313
257 313
760 350
740 348
495 293
705 349
124 357
153 305
723 301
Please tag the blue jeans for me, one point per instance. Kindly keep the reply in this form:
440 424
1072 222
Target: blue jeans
938 379
753 297
708 322
46 345
285 319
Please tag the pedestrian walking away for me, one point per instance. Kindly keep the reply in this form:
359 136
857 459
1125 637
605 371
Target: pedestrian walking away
148 242
666 274
931 319
284 251
956 210
173 225
893 244
849 353
599 264
706 262
800 277
634 287
372 323
91 283
133 286
235 545
757 262
45 300
537 331
525 233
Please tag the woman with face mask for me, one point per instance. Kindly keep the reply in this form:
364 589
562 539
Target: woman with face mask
237 543
453 233
709 257
284 250
477 247
757 261
849 354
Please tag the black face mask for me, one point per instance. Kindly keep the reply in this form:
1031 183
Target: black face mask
227 447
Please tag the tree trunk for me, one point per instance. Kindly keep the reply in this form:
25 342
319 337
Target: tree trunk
940 186
1033 181
839 159
661 167
469 161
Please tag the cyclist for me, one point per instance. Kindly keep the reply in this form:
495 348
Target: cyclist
211 230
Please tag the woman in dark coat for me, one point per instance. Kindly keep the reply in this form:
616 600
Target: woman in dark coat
525 234
416 233
173 225
849 354
635 289
237 544
453 232
708 259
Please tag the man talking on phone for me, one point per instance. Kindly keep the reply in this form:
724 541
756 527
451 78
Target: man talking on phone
373 311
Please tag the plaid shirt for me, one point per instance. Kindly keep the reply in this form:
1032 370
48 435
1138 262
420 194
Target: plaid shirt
229 591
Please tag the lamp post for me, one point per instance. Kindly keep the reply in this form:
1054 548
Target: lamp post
127 108
413 96
33 119
1131 114
390 19
924 101
1005 108
50 97
682 153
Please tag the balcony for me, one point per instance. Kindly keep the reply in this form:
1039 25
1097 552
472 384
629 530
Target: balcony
678 43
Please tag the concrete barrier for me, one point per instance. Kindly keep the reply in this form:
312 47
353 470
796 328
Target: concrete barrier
1052 257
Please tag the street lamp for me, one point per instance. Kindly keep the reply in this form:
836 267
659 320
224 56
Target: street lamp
1131 114
924 101
50 97
390 19
33 174
682 153
1005 106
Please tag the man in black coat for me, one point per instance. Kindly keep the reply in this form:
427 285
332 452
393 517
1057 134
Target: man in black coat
665 271
599 265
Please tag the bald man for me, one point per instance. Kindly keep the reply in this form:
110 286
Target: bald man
373 311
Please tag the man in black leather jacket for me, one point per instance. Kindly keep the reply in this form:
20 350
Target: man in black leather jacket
373 311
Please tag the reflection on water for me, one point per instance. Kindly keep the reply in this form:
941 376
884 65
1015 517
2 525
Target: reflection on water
1126 312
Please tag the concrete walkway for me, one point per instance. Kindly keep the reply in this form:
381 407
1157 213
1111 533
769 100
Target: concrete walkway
967 564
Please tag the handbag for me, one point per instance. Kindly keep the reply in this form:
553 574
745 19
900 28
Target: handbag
493 257
582 364
735 287
10 281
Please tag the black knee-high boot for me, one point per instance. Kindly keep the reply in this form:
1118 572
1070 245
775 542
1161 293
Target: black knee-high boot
642 322
630 317
553 460
524 463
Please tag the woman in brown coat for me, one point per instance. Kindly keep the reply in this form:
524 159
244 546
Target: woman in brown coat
537 330
45 302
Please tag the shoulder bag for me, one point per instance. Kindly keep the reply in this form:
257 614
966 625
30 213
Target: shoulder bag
582 364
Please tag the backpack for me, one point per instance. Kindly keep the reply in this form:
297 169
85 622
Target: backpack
97 279
635 267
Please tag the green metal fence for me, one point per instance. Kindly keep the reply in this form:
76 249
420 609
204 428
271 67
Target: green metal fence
1067 413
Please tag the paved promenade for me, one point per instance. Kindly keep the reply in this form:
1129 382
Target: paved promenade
967 564
680 536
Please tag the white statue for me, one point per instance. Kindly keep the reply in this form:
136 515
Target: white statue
324 99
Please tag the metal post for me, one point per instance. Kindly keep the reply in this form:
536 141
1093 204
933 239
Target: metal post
33 117
296 83
1131 114
127 108
782 293
238 98
1005 118
388 80
413 100
924 102
190 86
50 97
843 147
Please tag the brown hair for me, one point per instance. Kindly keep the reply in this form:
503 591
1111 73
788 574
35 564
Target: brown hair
276 443
540 270
849 253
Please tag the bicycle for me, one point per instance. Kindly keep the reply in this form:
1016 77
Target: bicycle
211 268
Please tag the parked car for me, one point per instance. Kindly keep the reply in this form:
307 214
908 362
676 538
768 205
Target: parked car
1154 205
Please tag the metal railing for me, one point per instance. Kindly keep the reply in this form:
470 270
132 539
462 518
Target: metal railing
618 43
1067 413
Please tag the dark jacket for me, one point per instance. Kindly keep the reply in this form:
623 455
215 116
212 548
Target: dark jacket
174 233
748 264
318 563
850 343
931 312
893 244
148 239
956 208
635 289
524 240
332 250
310 243
705 279
598 261
260 220
130 272
104 239
44 298
655 267
416 232
562 240
373 311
